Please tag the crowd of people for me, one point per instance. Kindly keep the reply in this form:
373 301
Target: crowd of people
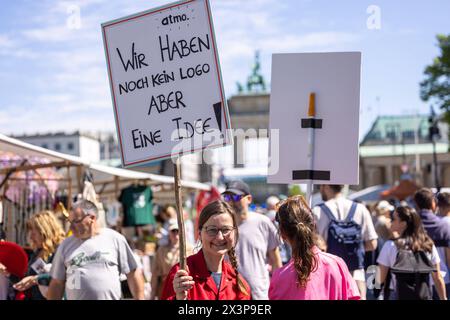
291 252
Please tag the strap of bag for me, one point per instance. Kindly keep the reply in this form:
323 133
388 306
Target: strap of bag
352 211
327 211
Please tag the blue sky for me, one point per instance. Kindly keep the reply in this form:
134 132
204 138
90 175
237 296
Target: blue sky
53 75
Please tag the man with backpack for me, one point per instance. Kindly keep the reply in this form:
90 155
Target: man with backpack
348 229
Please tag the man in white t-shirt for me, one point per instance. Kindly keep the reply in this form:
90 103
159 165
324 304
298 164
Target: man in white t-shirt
340 208
88 265
258 240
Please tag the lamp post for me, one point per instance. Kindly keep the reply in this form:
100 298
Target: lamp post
433 135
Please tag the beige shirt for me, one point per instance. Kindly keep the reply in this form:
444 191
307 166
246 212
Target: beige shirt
165 258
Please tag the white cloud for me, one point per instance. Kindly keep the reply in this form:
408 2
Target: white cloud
63 33
48 120
5 41
3 118
73 91
48 34
315 41
12 48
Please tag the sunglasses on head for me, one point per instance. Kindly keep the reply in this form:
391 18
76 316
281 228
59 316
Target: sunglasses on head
232 197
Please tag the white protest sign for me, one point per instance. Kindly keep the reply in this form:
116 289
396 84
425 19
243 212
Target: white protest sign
334 79
165 82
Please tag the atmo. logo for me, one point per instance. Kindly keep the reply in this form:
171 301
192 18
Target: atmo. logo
172 19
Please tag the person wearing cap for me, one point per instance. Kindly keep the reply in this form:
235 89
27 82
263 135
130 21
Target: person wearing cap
166 257
259 239
271 203
382 221
285 249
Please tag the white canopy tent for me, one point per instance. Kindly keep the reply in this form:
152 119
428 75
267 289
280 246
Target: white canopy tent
108 181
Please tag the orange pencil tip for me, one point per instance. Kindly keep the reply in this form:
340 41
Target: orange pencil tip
312 105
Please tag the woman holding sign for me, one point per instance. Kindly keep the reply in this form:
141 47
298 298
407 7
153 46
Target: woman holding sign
311 274
209 276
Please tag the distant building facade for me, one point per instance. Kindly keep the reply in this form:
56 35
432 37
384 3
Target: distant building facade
109 146
396 146
77 143
249 112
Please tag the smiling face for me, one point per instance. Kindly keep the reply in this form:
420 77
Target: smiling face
223 240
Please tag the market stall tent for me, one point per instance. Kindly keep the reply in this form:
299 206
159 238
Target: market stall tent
69 174
106 179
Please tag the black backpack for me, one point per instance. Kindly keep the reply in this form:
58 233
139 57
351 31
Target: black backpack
412 272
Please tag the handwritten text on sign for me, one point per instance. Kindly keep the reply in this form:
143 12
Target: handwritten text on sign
165 82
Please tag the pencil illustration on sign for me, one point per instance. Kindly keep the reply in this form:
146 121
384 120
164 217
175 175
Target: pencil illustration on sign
314 109
311 123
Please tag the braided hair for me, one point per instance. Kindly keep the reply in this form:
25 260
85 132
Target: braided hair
234 264
222 207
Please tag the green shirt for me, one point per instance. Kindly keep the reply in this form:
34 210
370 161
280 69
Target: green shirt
137 206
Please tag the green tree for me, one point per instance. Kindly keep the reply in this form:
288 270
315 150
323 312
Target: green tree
294 190
436 86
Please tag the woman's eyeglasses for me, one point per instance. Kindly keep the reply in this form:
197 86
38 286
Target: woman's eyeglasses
232 197
213 231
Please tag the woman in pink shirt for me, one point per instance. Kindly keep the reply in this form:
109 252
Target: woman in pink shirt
311 274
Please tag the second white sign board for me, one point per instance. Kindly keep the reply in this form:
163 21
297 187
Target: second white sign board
334 78
165 82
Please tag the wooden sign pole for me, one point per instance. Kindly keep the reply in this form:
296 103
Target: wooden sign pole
180 218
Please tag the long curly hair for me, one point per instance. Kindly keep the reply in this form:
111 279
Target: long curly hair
296 224
46 224
222 207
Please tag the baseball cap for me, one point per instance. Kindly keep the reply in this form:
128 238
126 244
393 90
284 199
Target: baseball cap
384 205
237 187
272 201
173 224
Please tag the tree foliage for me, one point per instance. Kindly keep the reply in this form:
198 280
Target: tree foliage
436 85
